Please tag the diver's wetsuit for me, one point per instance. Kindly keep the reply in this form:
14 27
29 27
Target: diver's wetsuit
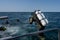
39 25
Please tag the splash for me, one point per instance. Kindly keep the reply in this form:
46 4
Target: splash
12 30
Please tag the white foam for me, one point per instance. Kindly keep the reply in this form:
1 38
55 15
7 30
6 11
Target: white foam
12 30
5 38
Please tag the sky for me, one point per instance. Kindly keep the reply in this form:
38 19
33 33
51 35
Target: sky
29 5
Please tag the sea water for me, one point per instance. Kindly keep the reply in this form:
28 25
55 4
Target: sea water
22 27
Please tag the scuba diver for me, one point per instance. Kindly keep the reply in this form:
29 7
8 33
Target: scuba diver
41 22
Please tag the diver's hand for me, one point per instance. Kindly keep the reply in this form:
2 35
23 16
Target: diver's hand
30 20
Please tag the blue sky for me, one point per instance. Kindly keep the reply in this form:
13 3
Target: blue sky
29 5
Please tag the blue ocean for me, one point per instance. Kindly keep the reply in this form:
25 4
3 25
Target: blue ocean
23 27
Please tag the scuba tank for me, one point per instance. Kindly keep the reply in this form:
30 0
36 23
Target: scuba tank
44 22
38 16
41 18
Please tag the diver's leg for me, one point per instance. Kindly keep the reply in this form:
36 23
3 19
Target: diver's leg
41 35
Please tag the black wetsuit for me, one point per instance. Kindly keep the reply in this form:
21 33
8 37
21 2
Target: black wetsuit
39 25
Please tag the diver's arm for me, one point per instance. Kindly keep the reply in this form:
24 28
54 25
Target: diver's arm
31 20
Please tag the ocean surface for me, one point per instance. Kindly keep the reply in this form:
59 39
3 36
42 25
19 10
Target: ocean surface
15 28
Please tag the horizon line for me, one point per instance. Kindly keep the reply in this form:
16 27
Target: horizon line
29 11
